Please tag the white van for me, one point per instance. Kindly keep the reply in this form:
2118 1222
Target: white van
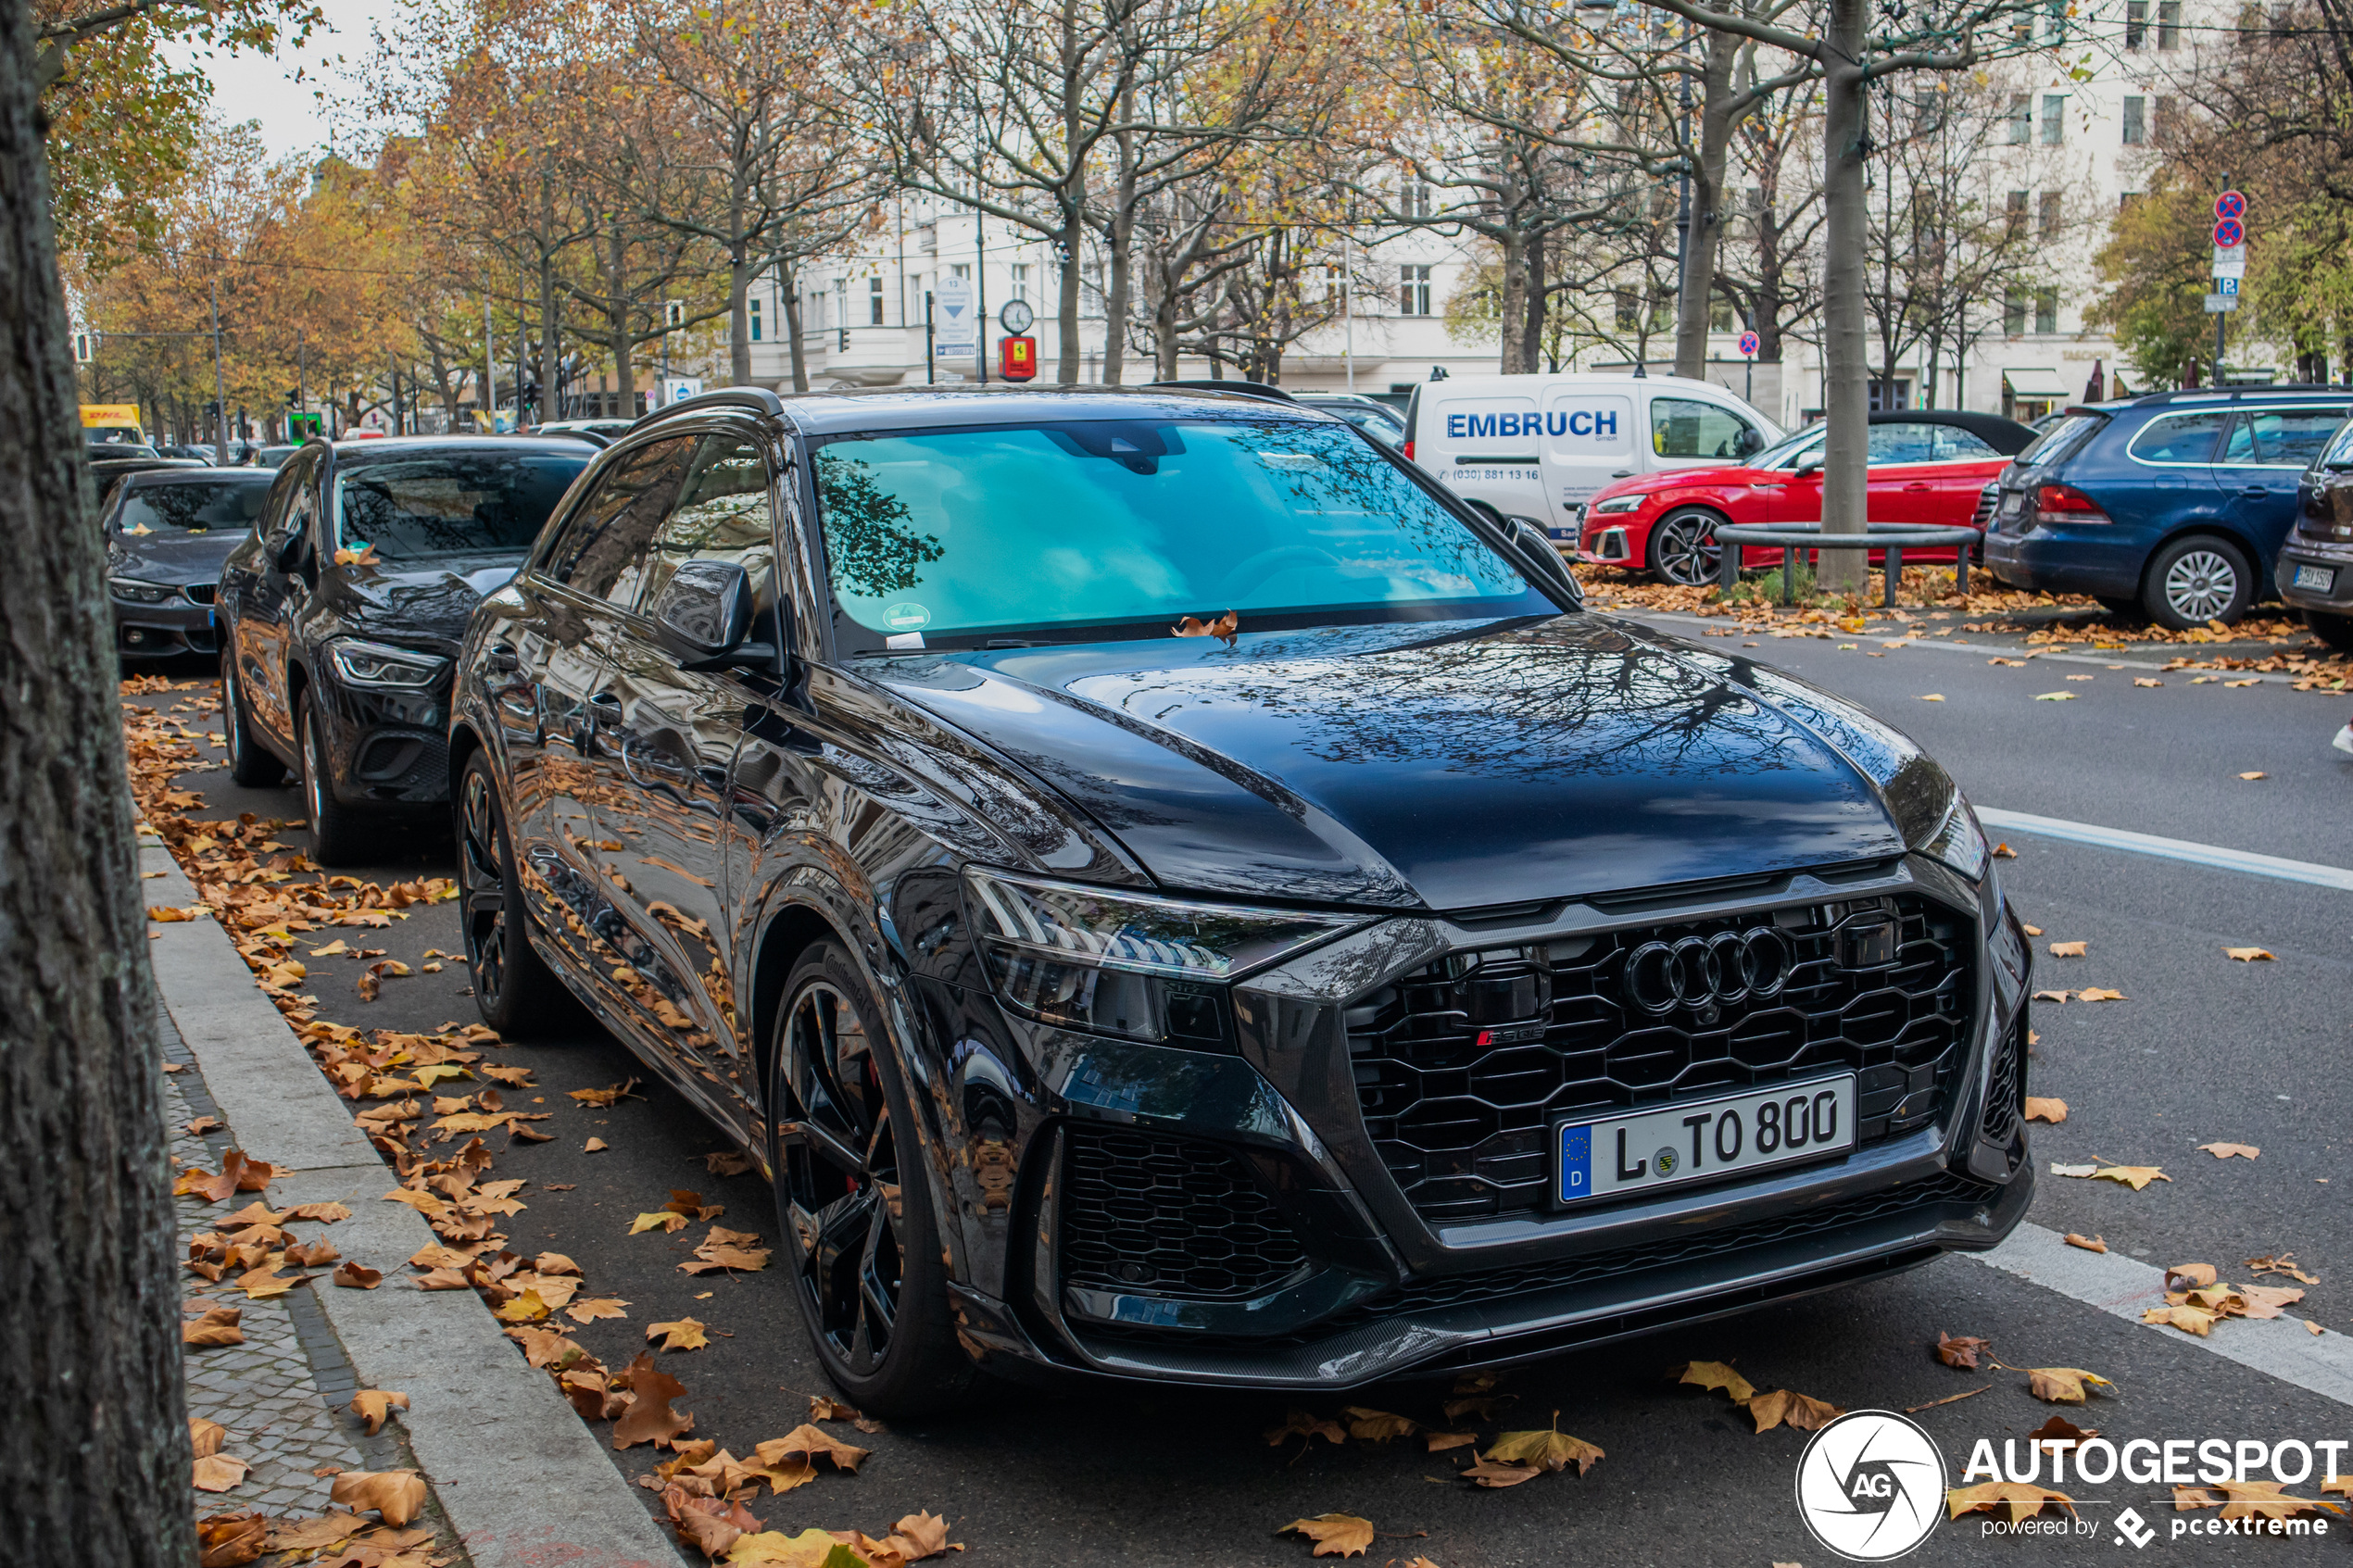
1538 446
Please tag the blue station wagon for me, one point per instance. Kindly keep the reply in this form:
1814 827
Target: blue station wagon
2173 506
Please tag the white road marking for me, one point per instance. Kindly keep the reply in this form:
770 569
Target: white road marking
2170 848
2020 650
2281 1346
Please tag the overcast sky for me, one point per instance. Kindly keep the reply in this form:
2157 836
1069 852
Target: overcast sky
282 91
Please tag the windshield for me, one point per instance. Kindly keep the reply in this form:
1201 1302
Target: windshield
948 533
414 507
1785 451
2059 440
191 508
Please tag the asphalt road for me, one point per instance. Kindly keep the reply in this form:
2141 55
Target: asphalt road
2204 1049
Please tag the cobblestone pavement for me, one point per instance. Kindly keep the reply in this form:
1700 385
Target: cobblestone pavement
285 1394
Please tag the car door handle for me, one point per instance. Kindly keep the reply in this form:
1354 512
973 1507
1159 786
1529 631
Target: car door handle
1917 488
1622 474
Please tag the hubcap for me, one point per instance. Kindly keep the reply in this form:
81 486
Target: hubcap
2201 585
483 888
1686 555
840 1170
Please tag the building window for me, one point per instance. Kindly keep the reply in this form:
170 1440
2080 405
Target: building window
1412 291
1417 201
2136 24
2054 118
2046 311
2161 124
1021 279
2050 218
2055 21
2135 121
2169 24
874 301
1721 317
2022 118
2013 312
2016 228
962 269
754 303
1887 396
2126 198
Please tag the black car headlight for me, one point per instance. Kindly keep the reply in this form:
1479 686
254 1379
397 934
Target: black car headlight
131 590
1957 840
379 667
1617 504
1129 964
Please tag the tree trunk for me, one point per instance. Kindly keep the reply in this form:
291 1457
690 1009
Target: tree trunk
89 1302
624 305
1067 357
1121 234
1513 307
789 285
739 322
1531 338
550 339
1695 288
1846 395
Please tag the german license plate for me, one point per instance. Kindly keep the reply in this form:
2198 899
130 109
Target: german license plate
2320 579
1705 1138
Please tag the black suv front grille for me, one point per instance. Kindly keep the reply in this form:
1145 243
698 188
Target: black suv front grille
1463 1067
2005 1089
1149 1214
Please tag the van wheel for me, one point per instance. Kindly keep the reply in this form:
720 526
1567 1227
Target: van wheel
2196 579
2335 629
1683 547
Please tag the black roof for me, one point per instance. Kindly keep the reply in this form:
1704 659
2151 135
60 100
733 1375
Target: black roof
2298 390
381 448
917 407
2006 436
188 472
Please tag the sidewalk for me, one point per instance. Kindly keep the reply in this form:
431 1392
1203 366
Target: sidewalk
515 1479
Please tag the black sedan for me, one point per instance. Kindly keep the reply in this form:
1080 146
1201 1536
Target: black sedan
1166 891
339 614
168 531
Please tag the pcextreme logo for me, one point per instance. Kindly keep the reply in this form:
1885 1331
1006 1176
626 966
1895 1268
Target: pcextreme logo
1870 1485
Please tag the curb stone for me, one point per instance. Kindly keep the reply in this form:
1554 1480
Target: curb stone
521 1479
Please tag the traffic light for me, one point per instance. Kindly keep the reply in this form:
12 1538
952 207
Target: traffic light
86 347
294 396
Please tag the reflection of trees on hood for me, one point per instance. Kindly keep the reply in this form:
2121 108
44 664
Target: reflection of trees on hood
869 538
1545 703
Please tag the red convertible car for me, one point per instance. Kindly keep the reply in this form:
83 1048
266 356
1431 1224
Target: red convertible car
1927 466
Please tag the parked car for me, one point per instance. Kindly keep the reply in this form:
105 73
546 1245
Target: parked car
273 457
1541 447
1375 418
600 430
2315 570
1927 466
168 532
121 462
2173 506
198 452
1165 889
340 612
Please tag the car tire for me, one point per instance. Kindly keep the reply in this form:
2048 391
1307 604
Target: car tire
2335 629
2198 579
863 1269
249 764
338 834
2123 610
515 991
1682 548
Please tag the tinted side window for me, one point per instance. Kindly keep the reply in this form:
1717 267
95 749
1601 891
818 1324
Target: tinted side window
1903 443
2180 438
721 515
1684 427
2281 437
602 549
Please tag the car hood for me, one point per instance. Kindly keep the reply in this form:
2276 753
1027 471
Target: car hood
173 556
1456 766
425 605
1676 479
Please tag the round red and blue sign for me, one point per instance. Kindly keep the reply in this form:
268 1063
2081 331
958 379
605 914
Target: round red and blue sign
2230 233
2230 203
1750 342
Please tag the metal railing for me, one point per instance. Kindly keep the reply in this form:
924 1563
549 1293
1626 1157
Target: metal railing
1796 537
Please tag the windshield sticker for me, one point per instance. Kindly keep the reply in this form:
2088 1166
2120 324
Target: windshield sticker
906 616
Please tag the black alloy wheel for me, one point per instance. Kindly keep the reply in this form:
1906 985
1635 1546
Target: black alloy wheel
854 1207
338 835
2335 629
1683 549
249 764
514 990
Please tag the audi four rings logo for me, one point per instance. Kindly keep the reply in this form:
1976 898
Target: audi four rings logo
1698 972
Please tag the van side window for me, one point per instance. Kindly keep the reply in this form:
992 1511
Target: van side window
1685 427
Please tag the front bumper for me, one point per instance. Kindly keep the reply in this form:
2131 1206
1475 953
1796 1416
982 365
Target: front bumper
1384 1290
1606 547
386 750
176 626
2317 556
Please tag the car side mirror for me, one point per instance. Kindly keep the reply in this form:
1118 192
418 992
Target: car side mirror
1809 464
1748 442
704 611
286 555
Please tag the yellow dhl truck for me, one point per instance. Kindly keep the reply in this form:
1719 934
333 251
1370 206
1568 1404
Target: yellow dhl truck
112 424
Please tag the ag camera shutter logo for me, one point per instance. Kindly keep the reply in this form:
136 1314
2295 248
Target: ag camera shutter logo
1870 1485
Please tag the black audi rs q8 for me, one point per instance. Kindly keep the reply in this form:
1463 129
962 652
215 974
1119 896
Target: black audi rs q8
1167 892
